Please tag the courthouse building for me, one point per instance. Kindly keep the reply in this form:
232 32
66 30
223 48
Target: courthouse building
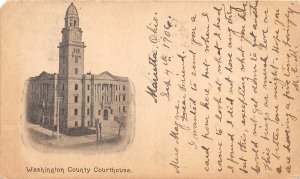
71 97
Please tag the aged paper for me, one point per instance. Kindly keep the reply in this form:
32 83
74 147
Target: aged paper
94 89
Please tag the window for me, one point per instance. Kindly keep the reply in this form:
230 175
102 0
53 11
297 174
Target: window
76 71
76 123
87 111
76 86
63 87
116 87
124 97
124 87
75 50
124 108
88 87
105 115
76 59
75 112
88 99
76 99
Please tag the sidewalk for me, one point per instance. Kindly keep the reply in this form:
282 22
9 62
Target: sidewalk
45 136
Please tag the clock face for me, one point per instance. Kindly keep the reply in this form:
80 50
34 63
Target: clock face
75 36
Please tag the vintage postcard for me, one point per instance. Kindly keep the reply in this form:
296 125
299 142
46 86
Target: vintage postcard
150 89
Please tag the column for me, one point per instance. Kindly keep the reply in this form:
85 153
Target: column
95 92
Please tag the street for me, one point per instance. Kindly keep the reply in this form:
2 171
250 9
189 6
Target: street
47 137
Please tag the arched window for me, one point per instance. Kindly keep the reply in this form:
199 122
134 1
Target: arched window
105 114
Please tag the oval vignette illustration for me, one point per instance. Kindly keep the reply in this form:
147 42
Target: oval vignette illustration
77 111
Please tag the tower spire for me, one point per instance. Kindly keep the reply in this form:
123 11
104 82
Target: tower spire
71 18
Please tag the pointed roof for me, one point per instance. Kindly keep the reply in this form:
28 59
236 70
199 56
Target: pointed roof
108 76
43 76
71 11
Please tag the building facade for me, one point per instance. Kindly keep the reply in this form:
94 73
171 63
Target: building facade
72 98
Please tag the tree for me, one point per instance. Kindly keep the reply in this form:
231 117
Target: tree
121 122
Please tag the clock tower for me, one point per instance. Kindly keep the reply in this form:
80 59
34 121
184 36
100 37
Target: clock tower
71 49
71 68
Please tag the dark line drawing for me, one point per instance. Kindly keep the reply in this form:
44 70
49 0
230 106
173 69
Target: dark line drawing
76 109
